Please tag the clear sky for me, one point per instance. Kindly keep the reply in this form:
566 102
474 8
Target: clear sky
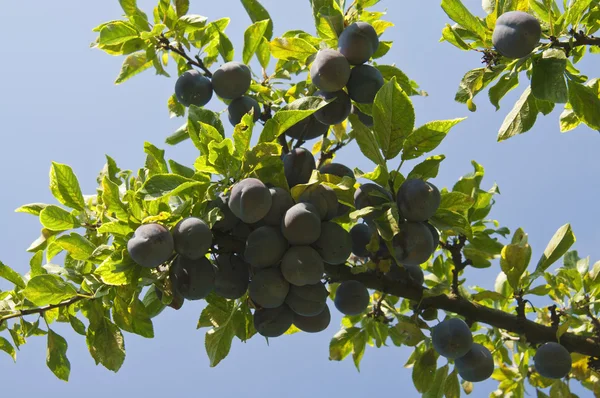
58 103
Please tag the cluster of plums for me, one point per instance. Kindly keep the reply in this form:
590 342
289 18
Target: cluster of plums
516 34
452 339
230 82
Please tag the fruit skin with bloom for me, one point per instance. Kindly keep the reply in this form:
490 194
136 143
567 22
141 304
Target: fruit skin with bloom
193 88
452 338
552 360
476 365
516 34
358 42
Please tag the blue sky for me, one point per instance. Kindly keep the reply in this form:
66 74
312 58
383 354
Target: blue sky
58 103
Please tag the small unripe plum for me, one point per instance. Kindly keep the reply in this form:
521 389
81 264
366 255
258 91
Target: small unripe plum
337 169
516 34
302 265
231 80
334 244
265 247
361 236
301 224
313 324
192 238
418 200
323 197
250 200
233 276
452 338
268 288
273 322
364 83
298 165
307 129
282 201
352 298
358 42
335 112
363 117
307 300
193 279
371 194
476 365
413 244
240 106
229 219
151 245
552 360
330 70
193 88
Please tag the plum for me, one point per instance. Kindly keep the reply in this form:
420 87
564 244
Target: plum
413 244
330 70
337 169
313 324
151 245
358 42
363 117
414 272
552 360
452 338
298 165
307 300
302 265
323 198
307 129
476 365
273 322
364 83
232 276
192 238
435 235
418 200
301 224
282 201
193 279
334 244
193 88
265 247
250 200
361 236
240 106
229 219
231 80
268 288
516 34
352 298
335 112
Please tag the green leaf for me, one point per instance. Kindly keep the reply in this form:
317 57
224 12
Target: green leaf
182 7
560 243
521 118
451 36
437 388
153 304
78 247
505 84
366 141
176 109
117 32
242 134
118 269
456 201
428 168
32 208
155 161
568 120
462 16
409 86
218 343
548 76
257 12
253 38
133 317
394 118
427 137
341 344
423 374
473 82
291 48
263 52
132 65
105 343
515 258
48 289
11 275
56 357
8 348
163 185
359 343
408 333
452 223
225 47
112 200
452 386
57 219
65 187
77 325
199 117
585 103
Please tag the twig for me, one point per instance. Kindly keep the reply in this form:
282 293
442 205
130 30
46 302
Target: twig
455 249
166 44
41 310
580 39
326 155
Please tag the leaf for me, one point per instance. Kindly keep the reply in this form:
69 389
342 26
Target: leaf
11 275
437 388
568 120
366 141
253 38
57 219
560 243
456 201
65 187
163 185
585 103
118 269
341 344
428 168
424 370
182 7
112 200
452 386
452 223
505 84
409 86
32 208
521 118
133 317
548 76
258 13
105 343
359 343
117 32
56 357
78 247
427 137
514 259
461 15
292 48
394 118
242 134
132 65
218 343
48 289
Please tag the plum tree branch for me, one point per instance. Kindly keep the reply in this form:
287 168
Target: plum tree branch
579 39
41 310
326 155
535 333
166 44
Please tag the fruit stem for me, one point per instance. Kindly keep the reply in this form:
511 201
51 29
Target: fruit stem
166 44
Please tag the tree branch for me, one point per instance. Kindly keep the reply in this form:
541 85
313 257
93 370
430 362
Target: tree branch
41 310
166 44
580 39
326 155
534 332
